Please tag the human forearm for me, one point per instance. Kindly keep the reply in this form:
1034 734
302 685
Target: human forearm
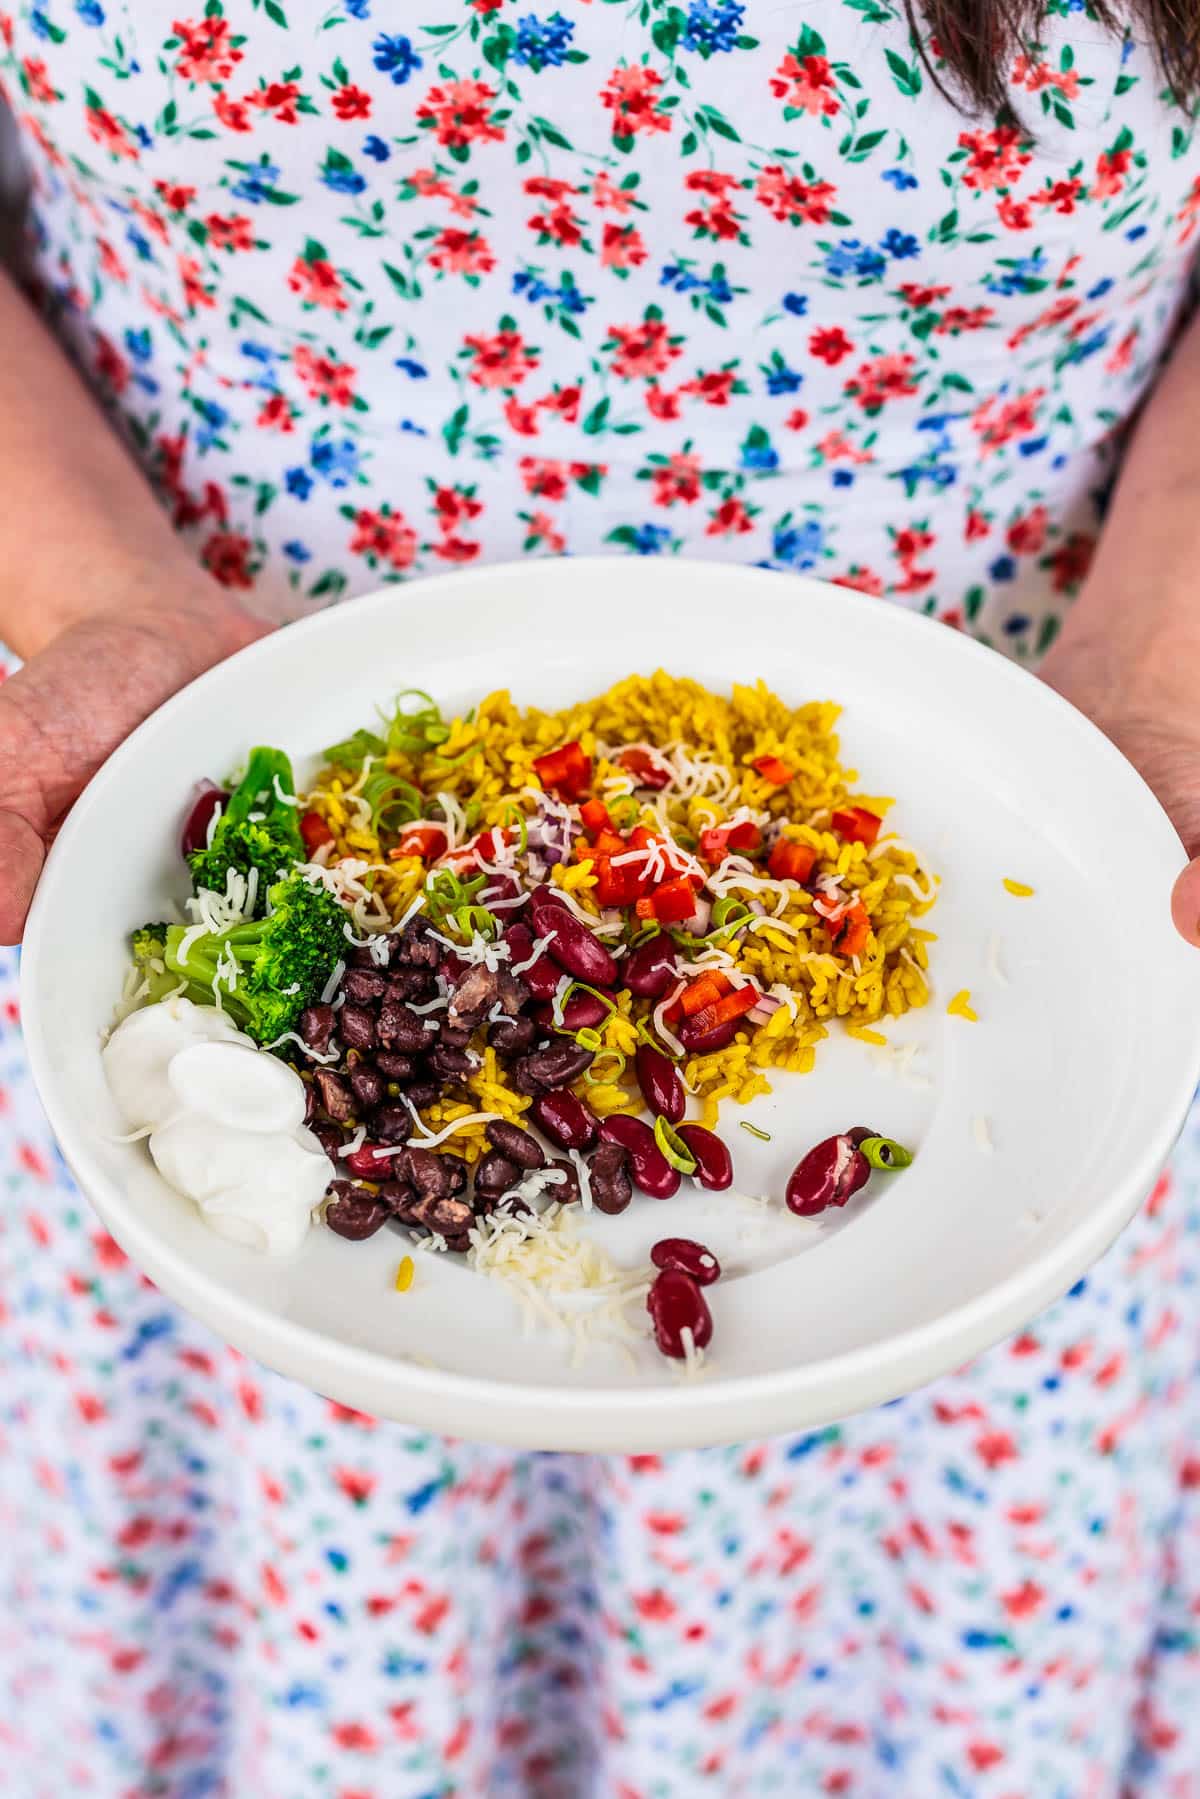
80 531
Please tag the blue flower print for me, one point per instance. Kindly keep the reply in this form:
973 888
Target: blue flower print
543 43
713 25
796 304
298 482
90 12
396 57
900 244
339 174
257 183
376 149
900 179
335 459
850 257
798 545
650 540
358 9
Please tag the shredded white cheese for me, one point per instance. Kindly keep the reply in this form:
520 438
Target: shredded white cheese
334 982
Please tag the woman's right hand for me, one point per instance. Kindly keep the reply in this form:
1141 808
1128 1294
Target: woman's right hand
67 709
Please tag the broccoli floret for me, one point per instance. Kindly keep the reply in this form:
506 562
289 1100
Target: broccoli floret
269 842
267 970
149 948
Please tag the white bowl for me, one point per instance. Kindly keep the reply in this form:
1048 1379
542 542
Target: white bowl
1081 1065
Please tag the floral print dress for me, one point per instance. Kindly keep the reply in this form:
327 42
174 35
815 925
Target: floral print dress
376 291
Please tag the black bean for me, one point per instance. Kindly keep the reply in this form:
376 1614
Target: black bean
336 1096
415 948
513 994
450 1218
353 1212
361 957
451 1064
310 1102
513 1036
557 1065
566 1192
316 1026
454 1037
495 1174
362 985
391 1124
329 1137
395 1067
515 1143
411 983
356 1027
423 1093
428 1174
367 1086
398 1028
608 1171
474 995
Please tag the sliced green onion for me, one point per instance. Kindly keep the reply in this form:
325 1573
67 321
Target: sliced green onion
629 809
522 824
646 1035
728 910
885 1153
582 987
652 929
763 1136
587 1038
476 920
603 1080
673 1147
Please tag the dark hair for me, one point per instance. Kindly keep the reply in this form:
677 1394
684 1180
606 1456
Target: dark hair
974 42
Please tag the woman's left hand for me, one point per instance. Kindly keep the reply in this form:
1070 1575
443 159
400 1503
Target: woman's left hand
1152 714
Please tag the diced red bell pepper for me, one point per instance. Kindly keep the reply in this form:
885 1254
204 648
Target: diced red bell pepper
610 843
315 832
614 886
724 1011
703 992
594 817
641 837
720 841
646 770
427 841
673 901
856 825
851 933
565 771
773 770
644 907
791 861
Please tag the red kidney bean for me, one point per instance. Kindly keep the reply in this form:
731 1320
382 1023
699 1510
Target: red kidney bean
689 1257
703 1043
714 1164
581 1012
608 1172
542 897
519 939
827 1176
564 1119
542 977
675 1304
566 1191
859 1134
662 1089
652 1173
365 1163
575 948
649 969
194 835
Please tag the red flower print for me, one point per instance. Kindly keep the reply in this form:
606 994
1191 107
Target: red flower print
995 1447
458 252
886 378
318 283
501 360
384 536
641 350
621 247
919 296
456 549
278 97
963 318
863 580
486 6
521 420
679 480
236 233
544 479
226 556
352 102
110 262
806 84
1070 562
1122 354
909 544
994 158
460 113
276 415
355 1484
323 378
355 1736
110 134
1024 1600
209 52
785 196
1061 195
715 388
718 219
36 80
978 525
565 401
1188 211
835 447
1015 215
1033 76
543 533
796 419
605 193
234 114
455 506
1027 534
195 294
632 98
175 197
1112 166
655 1606
830 345
997 422
983 1756
731 519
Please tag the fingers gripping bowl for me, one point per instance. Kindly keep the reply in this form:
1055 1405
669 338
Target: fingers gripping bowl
936 1260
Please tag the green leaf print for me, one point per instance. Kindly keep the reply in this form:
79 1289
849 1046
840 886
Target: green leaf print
906 75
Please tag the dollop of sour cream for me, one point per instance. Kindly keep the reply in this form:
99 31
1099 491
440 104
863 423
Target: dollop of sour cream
226 1121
